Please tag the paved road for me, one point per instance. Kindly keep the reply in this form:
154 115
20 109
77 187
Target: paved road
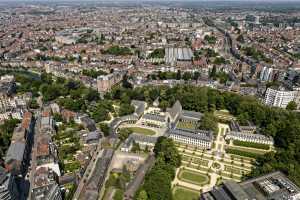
134 185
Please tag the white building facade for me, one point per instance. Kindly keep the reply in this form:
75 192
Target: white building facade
279 98
199 138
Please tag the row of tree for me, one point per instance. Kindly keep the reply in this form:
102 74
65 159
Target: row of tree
157 184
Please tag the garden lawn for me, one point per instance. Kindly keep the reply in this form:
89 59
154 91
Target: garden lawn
181 193
193 177
186 125
143 131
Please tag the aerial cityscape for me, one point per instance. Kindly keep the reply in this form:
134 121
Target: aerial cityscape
149 100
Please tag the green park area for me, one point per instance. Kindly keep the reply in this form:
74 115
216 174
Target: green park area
182 193
223 115
68 143
142 131
193 177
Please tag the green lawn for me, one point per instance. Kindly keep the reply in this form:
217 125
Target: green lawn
193 177
143 131
186 125
181 193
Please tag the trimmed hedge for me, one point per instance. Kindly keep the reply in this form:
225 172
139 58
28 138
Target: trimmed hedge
242 153
251 145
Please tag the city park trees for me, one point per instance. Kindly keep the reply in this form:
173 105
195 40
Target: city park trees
283 125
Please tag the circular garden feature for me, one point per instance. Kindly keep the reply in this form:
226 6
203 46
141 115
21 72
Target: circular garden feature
216 166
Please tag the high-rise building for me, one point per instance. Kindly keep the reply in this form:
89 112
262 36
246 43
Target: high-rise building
106 82
8 187
266 74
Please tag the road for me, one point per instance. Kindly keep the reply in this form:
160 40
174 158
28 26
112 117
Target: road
134 185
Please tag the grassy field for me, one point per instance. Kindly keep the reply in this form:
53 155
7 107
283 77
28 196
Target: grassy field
181 193
186 125
223 114
143 131
193 177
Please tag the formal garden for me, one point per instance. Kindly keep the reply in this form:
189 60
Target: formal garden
183 193
193 177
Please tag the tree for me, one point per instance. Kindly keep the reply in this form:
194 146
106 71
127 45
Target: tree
240 38
126 109
157 183
135 147
157 53
187 76
126 83
6 130
100 114
213 72
165 148
142 195
178 75
33 104
104 128
57 117
92 95
209 123
196 75
124 133
291 105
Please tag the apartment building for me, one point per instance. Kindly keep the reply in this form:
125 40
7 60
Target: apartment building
8 187
106 82
279 98
45 185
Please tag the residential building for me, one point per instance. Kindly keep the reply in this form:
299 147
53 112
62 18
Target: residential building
17 155
279 98
106 82
93 137
47 123
45 185
173 55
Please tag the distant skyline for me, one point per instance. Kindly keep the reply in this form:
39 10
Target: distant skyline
149 0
